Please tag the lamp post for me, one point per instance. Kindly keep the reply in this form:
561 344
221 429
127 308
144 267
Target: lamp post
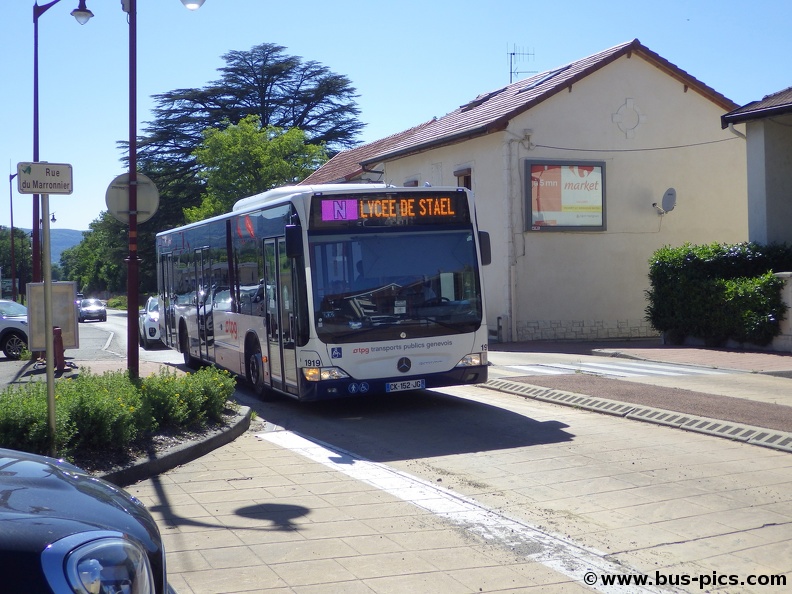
133 358
133 262
82 15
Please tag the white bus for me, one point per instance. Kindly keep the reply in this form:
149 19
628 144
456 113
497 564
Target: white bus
320 292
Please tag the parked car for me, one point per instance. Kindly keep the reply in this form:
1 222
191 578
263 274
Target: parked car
92 309
13 328
64 530
148 323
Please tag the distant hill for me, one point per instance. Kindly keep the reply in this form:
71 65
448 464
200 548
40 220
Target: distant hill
60 240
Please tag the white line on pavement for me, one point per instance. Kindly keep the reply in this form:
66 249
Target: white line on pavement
553 551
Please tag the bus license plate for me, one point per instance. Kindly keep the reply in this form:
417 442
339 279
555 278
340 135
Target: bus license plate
417 384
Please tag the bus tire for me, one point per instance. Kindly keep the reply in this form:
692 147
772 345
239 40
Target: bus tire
254 371
184 346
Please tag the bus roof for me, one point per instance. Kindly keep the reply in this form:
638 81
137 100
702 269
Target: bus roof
288 191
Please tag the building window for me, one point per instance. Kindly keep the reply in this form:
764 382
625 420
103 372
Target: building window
565 195
464 178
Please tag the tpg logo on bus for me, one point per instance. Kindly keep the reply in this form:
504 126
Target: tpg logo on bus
44 178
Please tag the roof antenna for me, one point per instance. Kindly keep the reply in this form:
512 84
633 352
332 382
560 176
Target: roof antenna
514 56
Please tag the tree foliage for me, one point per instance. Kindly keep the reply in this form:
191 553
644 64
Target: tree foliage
23 259
245 159
284 91
302 107
97 263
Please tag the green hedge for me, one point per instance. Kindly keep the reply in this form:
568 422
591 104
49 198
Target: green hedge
718 292
108 412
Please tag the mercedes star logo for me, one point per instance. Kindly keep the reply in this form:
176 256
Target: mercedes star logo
404 365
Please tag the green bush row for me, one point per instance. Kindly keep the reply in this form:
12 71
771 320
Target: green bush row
718 292
97 413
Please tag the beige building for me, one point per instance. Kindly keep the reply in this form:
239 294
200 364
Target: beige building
571 170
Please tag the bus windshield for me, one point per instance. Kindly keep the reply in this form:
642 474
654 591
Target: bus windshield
390 285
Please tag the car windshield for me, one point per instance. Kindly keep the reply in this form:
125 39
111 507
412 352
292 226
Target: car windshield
91 303
10 309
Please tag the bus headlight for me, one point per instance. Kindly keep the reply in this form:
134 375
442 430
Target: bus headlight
320 374
473 360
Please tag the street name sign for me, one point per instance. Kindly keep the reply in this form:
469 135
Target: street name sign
44 178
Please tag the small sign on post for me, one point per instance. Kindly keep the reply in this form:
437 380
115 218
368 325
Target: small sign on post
44 178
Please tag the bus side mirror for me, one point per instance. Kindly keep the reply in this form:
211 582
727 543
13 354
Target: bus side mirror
486 249
293 241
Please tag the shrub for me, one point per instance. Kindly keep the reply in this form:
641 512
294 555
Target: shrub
187 400
24 420
108 412
718 292
118 302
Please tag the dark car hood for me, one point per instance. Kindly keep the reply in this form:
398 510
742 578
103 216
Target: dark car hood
43 500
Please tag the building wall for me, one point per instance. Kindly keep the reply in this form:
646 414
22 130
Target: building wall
651 135
770 179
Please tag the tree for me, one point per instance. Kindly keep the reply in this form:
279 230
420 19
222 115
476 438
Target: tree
245 159
97 263
283 91
22 257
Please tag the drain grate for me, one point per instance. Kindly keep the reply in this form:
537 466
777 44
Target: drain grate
769 438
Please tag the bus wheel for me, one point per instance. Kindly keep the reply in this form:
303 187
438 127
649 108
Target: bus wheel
184 346
254 371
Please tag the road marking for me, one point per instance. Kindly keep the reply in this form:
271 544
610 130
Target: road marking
554 551
616 369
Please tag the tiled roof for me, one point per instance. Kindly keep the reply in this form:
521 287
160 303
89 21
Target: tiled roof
776 104
346 165
491 112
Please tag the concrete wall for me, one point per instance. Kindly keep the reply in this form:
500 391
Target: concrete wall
651 134
769 161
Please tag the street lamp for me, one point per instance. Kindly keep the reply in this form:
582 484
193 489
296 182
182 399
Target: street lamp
132 260
82 15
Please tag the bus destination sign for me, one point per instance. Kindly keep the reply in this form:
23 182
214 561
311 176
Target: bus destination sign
388 209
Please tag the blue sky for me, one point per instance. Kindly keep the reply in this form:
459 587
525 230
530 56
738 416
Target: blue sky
409 61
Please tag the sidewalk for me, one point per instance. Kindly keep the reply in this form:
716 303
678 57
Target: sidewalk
272 512
766 362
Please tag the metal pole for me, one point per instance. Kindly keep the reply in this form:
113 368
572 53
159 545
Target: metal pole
133 360
14 274
36 237
48 317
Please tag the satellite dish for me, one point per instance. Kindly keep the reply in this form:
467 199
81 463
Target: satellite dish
669 200
117 198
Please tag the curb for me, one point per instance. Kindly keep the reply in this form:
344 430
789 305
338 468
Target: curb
777 440
145 468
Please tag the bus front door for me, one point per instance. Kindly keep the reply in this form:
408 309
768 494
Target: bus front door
280 315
